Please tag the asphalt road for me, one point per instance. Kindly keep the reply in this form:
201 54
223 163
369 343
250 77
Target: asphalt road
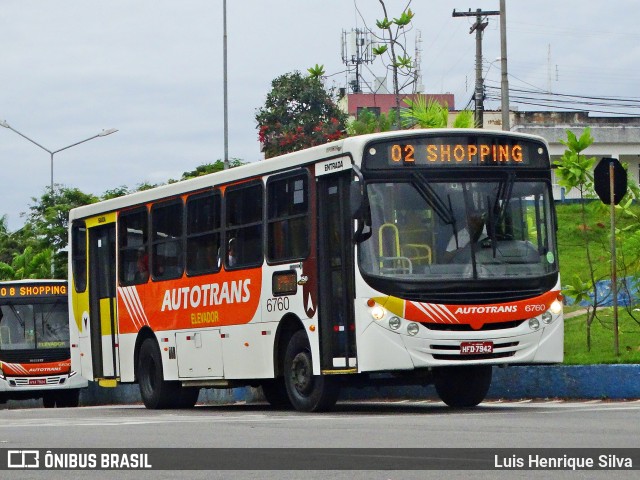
388 425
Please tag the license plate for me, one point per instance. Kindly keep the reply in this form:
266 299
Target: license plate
38 381
472 348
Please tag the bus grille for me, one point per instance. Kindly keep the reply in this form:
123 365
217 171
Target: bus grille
24 381
457 327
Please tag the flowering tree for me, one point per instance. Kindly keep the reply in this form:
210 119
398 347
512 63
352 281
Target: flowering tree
298 113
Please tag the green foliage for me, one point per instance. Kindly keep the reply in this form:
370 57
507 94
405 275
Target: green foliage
431 114
28 264
120 191
208 168
317 71
575 170
369 122
298 113
464 119
579 290
426 114
49 218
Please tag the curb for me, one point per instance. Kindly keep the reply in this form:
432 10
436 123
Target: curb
585 382
571 382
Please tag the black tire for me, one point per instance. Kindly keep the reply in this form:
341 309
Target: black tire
307 392
49 400
275 392
187 397
155 391
67 398
462 387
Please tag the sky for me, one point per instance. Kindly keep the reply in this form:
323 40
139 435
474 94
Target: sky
153 69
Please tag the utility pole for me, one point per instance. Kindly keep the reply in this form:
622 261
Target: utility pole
478 27
224 82
504 82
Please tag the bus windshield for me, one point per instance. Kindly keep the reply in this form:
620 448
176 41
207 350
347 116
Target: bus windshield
459 230
28 326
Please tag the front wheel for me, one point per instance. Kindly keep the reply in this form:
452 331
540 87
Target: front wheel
464 386
68 398
307 392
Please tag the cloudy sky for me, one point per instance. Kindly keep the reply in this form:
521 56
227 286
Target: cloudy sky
153 70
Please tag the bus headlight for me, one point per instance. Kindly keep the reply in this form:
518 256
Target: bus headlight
394 323
377 312
413 328
556 307
534 323
547 317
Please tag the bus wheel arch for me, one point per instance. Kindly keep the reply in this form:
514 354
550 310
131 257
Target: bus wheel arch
274 389
143 334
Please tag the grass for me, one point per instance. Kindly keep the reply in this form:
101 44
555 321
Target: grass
602 339
573 261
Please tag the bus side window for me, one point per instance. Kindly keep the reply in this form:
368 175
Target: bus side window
287 218
166 221
133 247
203 233
243 209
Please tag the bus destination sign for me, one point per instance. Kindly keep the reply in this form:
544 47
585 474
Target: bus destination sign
457 152
20 290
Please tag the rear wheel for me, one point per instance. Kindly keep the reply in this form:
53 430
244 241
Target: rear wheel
275 392
155 391
462 387
307 392
187 397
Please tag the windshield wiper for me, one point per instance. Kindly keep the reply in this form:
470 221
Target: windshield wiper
433 199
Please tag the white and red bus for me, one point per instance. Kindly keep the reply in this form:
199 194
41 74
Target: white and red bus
35 356
349 263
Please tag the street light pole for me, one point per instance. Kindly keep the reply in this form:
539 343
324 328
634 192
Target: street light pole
103 133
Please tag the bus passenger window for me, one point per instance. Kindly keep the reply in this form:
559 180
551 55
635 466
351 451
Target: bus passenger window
133 247
203 233
166 252
243 207
287 218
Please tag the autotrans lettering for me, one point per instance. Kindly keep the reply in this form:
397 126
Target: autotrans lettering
487 309
205 295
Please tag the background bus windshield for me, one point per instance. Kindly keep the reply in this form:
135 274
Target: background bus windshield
471 230
26 326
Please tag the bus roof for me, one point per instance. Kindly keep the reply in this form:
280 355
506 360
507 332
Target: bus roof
351 147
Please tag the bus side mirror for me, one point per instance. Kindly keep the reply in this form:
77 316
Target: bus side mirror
359 207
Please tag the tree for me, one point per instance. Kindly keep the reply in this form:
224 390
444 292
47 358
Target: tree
49 219
207 168
298 113
575 170
432 114
28 264
369 122
392 49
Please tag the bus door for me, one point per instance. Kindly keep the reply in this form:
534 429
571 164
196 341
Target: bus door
102 301
335 274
